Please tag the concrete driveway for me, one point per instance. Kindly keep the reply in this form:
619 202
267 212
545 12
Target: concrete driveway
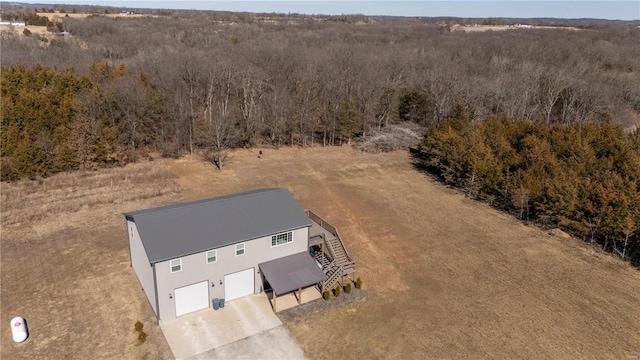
271 344
249 321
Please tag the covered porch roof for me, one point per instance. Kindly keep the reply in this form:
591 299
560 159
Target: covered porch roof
292 272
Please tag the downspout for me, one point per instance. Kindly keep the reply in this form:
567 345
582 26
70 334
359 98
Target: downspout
130 235
155 289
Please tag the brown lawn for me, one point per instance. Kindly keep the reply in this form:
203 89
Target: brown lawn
446 277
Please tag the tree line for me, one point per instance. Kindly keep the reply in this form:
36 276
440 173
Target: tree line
584 178
230 80
208 81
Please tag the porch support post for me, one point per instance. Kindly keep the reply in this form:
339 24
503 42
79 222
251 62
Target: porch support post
299 296
274 301
323 287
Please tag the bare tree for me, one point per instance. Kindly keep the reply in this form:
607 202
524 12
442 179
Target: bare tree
218 133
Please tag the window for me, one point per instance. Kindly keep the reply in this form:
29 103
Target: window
239 249
281 239
212 256
176 265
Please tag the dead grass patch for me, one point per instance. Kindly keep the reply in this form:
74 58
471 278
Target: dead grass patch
33 201
65 263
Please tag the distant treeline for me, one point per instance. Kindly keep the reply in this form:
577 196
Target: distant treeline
206 81
239 79
223 80
584 178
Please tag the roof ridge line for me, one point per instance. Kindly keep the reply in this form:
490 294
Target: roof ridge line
181 205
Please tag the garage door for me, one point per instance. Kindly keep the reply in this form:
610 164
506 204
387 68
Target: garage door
238 284
192 298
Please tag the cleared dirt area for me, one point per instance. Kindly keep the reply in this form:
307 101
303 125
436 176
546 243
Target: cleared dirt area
482 28
445 277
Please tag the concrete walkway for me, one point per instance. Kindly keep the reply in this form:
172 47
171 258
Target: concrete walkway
205 330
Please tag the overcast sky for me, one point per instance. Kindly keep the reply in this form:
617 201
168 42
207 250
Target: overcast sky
621 10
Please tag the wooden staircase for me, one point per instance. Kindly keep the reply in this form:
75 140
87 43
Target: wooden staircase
334 273
342 264
340 255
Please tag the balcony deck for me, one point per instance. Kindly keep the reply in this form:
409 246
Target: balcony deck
316 233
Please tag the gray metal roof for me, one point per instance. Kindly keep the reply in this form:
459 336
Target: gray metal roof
292 272
173 231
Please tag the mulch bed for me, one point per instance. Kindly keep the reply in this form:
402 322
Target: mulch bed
321 304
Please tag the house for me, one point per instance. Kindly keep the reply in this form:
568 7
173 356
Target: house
186 255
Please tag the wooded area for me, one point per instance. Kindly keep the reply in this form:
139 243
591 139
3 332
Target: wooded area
530 120
583 178
221 80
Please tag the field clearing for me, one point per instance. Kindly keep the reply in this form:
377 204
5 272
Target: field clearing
40 30
446 277
59 16
482 28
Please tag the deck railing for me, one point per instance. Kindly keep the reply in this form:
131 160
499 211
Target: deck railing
346 265
321 222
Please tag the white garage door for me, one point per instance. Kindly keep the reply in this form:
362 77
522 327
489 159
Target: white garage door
192 298
238 284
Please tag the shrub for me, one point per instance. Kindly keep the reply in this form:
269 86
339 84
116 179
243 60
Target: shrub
26 32
358 284
138 325
142 337
326 295
337 290
347 288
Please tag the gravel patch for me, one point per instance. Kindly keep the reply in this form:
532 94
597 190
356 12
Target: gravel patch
319 305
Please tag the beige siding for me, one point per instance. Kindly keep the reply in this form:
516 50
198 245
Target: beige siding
195 268
140 263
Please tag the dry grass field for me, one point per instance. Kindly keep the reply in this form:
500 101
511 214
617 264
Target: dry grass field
39 30
58 16
446 277
65 264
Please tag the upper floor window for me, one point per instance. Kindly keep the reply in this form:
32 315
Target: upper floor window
239 249
212 256
176 265
281 239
